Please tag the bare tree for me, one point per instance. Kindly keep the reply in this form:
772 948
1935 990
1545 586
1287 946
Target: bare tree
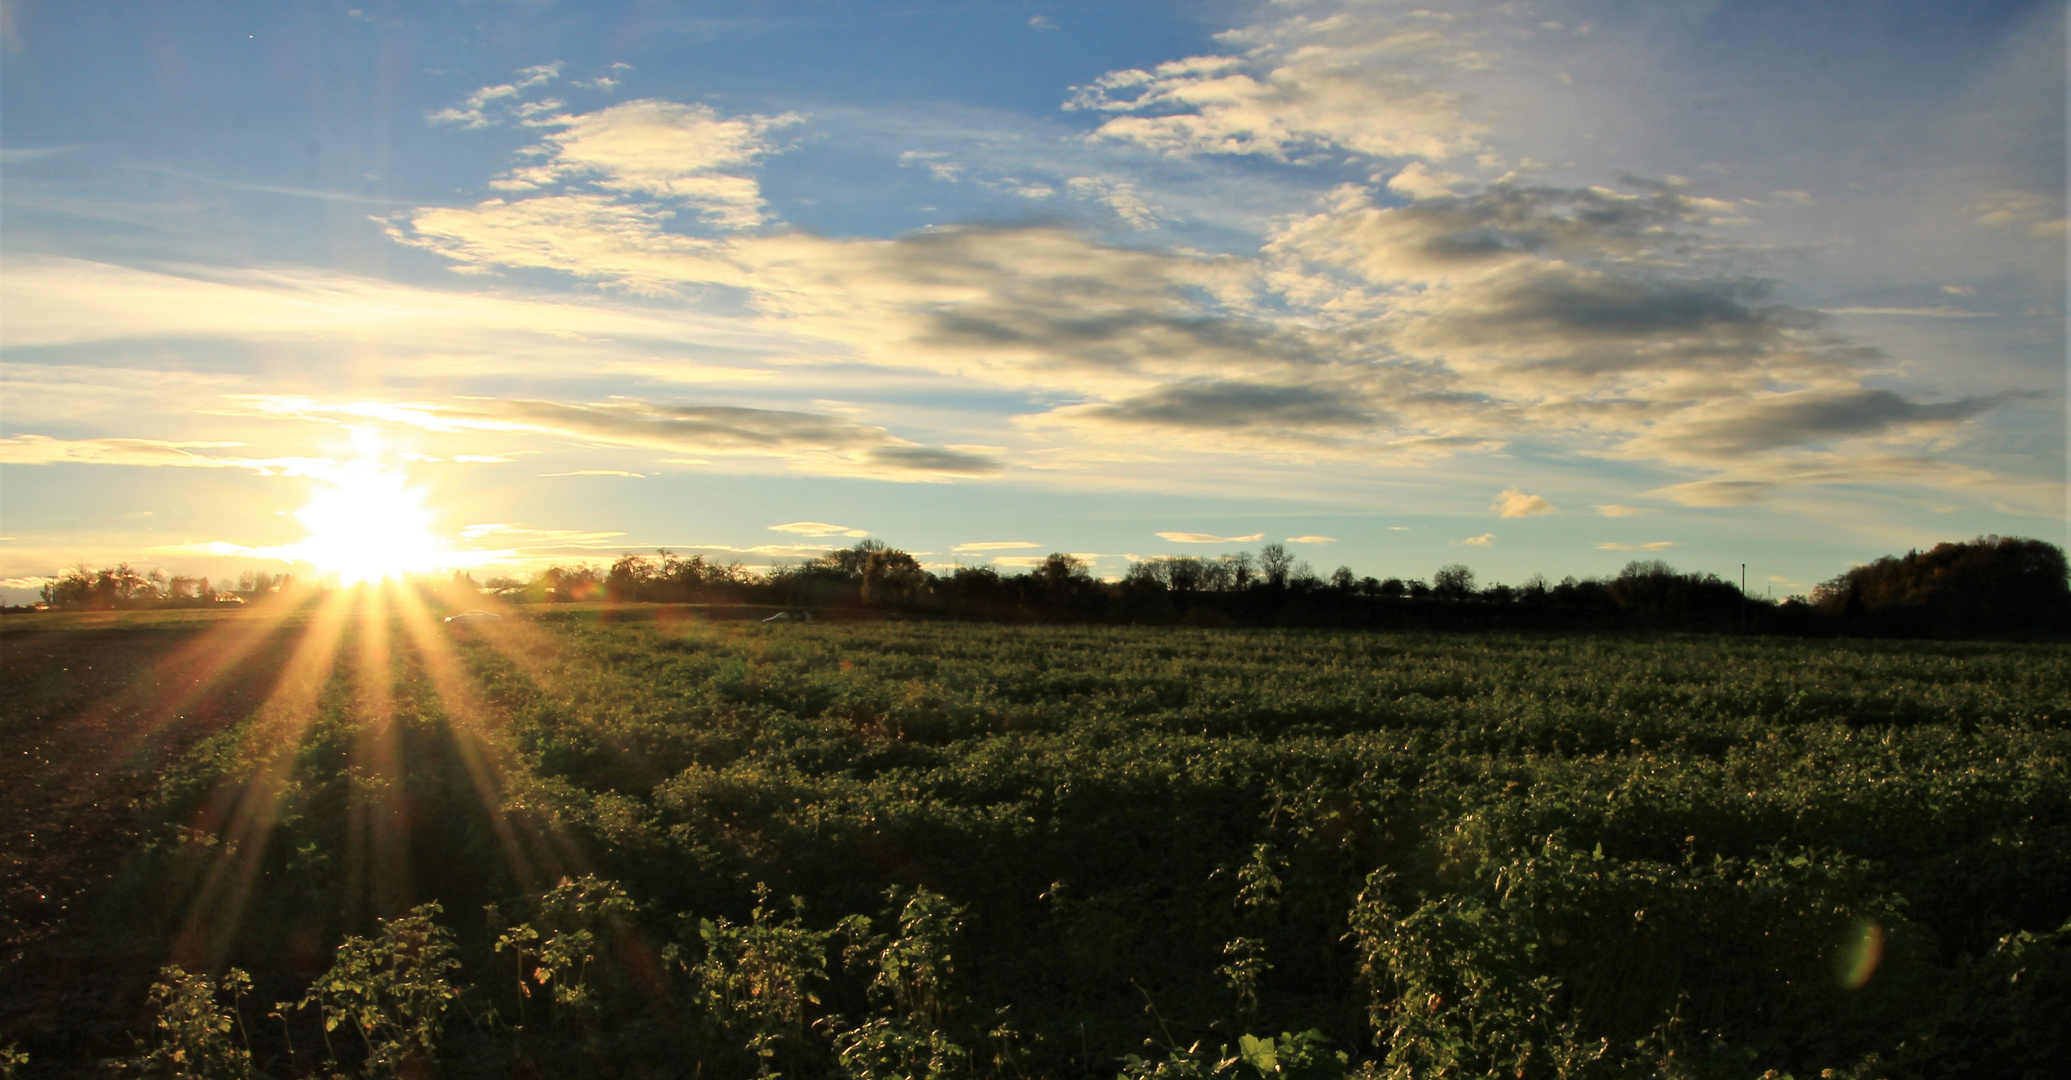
1275 563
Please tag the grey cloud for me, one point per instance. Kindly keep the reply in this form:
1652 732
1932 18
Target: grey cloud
1812 416
731 428
1506 219
1237 405
932 459
1607 305
808 438
1718 492
1121 340
686 427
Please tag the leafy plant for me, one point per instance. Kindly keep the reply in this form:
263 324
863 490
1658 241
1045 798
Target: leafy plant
760 979
193 1034
913 993
1304 1056
555 951
392 992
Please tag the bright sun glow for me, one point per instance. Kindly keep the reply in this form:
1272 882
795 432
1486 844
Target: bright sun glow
368 525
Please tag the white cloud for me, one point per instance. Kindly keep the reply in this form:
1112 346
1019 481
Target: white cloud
1595 319
1208 538
2037 214
993 545
1657 545
596 472
58 301
1343 82
937 164
1312 539
1117 195
1619 510
44 450
662 149
475 110
1418 182
818 528
1513 503
1484 540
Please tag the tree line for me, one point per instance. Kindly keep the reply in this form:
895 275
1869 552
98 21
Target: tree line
85 588
1992 586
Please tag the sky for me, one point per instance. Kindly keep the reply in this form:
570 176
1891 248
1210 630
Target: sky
1533 287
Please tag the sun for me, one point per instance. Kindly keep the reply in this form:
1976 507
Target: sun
369 523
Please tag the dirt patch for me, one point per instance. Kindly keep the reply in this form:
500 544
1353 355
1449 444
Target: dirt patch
89 716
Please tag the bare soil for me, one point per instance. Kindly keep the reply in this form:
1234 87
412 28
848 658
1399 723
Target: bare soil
92 708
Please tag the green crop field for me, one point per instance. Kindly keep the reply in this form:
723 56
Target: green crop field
654 843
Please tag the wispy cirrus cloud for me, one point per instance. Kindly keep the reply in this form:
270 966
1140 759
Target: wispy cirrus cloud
818 528
492 105
993 545
55 301
152 453
1654 545
809 441
1208 538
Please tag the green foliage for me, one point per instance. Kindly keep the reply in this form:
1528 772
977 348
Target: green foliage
1596 856
1304 1056
392 992
194 1038
913 991
12 1057
761 981
556 949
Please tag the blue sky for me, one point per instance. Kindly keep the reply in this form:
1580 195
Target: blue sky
1533 287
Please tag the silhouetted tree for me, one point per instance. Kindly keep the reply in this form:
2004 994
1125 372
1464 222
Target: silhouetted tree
1453 582
1991 585
852 560
890 574
1275 564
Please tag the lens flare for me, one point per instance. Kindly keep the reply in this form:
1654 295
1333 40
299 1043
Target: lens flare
1859 956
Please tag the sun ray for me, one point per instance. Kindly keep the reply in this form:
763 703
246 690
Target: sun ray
378 824
174 684
489 762
244 809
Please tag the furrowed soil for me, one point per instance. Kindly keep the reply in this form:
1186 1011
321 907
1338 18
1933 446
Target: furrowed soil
670 844
92 708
